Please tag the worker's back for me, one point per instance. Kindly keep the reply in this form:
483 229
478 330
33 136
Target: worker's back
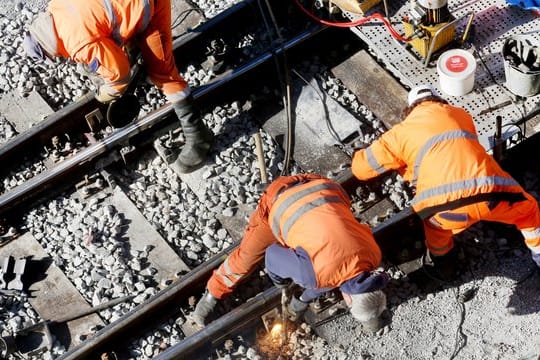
436 149
80 22
316 217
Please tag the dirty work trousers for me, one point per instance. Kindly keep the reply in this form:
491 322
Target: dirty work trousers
525 215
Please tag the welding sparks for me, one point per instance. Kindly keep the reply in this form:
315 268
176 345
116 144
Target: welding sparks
277 330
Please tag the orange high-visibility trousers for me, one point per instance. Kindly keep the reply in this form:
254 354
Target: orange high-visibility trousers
525 215
155 44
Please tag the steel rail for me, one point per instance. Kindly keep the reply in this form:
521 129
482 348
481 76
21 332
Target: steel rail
226 325
179 291
41 182
72 116
138 317
404 223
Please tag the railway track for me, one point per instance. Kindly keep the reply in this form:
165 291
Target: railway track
168 291
101 154
88 111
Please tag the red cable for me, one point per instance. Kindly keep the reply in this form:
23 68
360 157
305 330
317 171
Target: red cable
358 22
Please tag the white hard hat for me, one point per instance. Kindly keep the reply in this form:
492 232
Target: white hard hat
368 306
421 91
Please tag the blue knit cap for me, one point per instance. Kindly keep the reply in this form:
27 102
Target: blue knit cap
365 282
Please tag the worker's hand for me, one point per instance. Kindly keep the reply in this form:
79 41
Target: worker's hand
296 309
360 145
104 97
204 308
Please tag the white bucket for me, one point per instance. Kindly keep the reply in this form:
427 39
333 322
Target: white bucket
456 69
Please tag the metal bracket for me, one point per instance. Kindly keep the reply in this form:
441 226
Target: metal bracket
94 119
18 270
94 187
167 154
322 303
4 265
439 32
270 318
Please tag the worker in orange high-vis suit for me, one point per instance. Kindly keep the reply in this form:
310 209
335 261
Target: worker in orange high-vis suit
457 183
97 34
305 230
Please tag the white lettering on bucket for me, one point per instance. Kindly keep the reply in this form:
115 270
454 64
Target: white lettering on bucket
456 63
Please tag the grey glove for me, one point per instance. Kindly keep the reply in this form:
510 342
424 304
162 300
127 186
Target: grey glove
296 309
204 308
103 96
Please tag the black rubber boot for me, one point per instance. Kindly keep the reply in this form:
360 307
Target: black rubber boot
443 267
199 139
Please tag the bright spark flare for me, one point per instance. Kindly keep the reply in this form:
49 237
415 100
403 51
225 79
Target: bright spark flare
276 330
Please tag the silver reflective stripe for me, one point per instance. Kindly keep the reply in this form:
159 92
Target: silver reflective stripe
531 234
227 273
294 198
304 209
374 163
449 135
114 21
179 95
146 15
463 185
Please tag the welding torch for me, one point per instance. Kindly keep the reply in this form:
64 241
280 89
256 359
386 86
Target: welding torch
284 301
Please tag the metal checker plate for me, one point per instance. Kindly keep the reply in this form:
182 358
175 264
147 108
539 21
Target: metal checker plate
494 22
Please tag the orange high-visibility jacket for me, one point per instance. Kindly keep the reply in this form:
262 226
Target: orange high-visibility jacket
94 32
435 148
316 216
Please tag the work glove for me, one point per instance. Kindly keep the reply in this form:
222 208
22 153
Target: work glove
104 97
536 258
204 308
296 309
91 78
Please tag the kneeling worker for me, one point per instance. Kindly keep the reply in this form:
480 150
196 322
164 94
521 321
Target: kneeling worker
306 228
98 34
436 149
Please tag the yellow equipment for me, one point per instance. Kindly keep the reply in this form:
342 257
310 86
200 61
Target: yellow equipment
355 6
430 24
